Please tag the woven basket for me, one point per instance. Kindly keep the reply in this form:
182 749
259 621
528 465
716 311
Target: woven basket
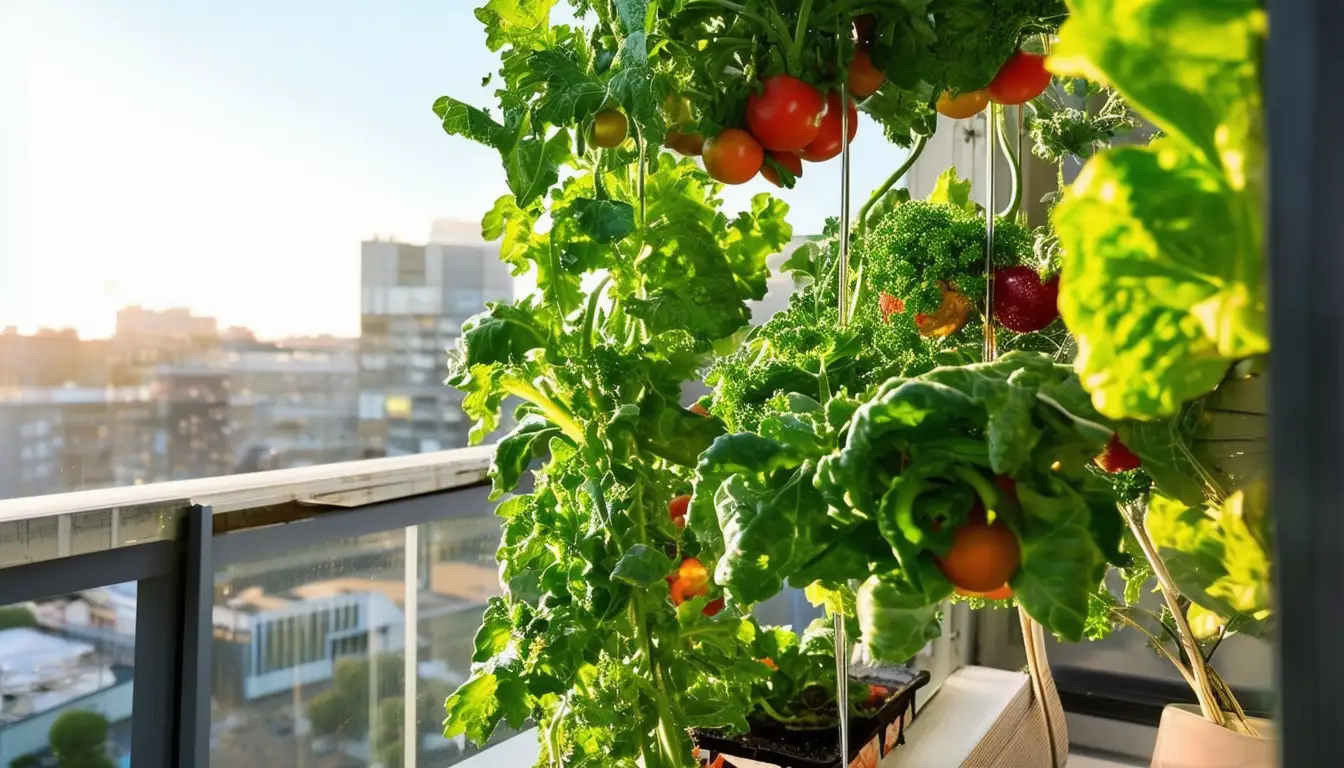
1030 732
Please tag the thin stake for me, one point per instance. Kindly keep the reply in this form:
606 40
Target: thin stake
991 149
841 644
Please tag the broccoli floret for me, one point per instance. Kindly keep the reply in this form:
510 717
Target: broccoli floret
908 260
919 244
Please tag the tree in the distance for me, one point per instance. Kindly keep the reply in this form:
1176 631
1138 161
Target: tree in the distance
78 738
16 616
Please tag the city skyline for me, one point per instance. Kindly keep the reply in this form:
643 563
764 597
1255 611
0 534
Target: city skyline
242 153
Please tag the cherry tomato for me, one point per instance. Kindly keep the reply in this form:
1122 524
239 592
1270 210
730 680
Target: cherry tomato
688 144
609 128
791 163
984 556
963 105
713 607
876 695
828 144
864 78
786 114
1116 457
769 662
698 410
1022 78
950 317
676 509
695 575
733 157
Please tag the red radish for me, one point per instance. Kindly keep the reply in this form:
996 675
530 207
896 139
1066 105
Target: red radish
1115 457
1022 302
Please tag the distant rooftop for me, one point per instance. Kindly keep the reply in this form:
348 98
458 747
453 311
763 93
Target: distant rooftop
450 232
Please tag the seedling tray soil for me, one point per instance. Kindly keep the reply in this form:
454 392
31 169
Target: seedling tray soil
771 745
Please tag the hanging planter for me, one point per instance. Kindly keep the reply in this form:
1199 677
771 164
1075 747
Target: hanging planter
872 735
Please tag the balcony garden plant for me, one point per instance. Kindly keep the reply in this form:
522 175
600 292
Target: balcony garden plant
895 449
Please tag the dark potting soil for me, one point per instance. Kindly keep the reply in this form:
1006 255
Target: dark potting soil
771 742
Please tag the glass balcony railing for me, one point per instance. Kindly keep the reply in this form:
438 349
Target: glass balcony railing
315 617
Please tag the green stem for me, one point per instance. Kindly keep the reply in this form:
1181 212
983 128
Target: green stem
557 413
590 316
599 186
1014 165
781 30
795 56
837 9
636 614
989 495
553 254
731 6
886 186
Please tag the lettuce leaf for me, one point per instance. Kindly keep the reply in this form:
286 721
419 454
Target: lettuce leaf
1162 276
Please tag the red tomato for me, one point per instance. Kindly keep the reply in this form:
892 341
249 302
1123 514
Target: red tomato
786 115
733 157
864 78
698 410
963 105
1022 78
984 556
828 144
1002 593
691 579
769 662
688 144
876 695
1117 458
791 162
676 509
713 607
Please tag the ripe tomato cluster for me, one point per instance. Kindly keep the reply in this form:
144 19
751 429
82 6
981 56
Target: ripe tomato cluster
1022 78
787 121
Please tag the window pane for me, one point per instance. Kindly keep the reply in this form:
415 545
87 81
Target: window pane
457 574
66 676
329 623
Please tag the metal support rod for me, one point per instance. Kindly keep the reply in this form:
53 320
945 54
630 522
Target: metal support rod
843 270
991 148
841 644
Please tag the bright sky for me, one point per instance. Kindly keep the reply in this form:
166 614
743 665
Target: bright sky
230 157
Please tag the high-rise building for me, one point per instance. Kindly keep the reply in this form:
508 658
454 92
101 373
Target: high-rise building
413 301
293 407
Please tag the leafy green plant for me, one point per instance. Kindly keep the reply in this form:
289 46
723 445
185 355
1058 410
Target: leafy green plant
1163 287
833 453
1163 273
878 492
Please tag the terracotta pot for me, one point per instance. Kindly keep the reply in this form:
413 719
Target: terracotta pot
1186 740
